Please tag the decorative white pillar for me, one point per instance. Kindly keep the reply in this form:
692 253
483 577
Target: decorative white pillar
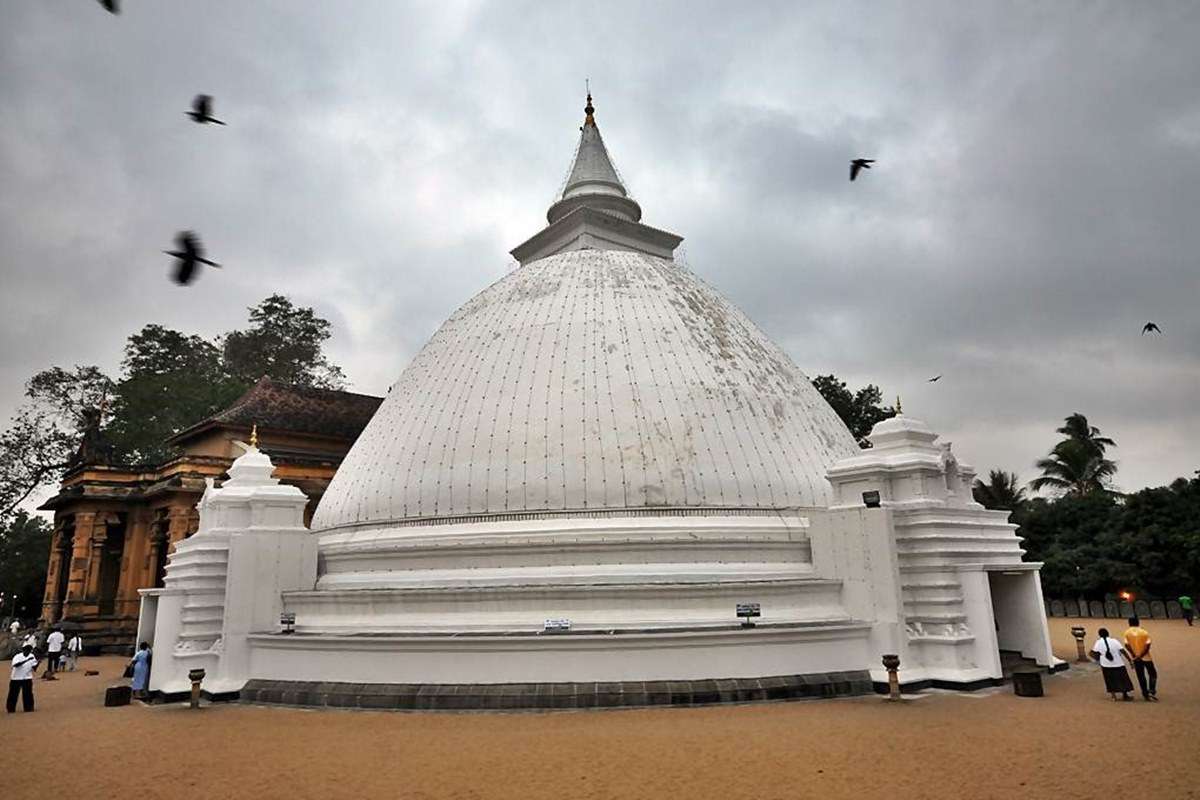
226 580
965 592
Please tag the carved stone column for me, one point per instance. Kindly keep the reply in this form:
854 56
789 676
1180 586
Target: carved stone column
179 524
98 540
81 551
59 561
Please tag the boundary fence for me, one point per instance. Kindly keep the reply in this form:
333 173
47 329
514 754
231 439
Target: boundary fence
1113 608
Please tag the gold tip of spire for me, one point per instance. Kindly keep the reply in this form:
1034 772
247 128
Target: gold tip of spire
588 110
254 435
899 410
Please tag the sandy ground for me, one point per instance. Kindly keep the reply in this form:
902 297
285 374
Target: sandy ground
941 745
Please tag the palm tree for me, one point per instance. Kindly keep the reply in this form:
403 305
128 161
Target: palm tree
1074 468
1003 491
1076 427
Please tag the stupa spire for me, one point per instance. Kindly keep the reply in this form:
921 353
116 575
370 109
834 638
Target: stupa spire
594 212
593 180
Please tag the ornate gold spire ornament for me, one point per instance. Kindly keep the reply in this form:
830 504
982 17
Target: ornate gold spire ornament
254 435
588 110
899 410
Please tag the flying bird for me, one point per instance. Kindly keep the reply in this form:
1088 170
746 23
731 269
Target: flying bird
859 164
934 379
202 110
189 254
1150 327
112 6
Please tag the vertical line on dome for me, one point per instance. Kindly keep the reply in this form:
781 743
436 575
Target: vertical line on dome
631 378
618 274
672 318
640 291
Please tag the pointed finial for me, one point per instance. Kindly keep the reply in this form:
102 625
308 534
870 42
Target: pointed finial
899 410
588 110
254 435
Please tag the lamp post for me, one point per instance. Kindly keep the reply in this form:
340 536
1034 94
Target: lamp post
1079 632
891 663
195 676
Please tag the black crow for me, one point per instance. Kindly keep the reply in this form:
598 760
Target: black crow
189 254
202 110
859 164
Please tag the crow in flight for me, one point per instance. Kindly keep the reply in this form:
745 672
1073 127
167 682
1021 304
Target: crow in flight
859 164
111 6
202 110
934 379
189 254
1150 327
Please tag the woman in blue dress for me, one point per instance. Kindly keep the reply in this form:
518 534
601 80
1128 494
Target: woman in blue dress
141 670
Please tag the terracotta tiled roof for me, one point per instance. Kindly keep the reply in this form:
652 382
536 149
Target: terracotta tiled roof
299 409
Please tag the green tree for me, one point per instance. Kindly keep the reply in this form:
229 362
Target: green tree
170 380
1076 465
1002 491
45 432
860 410
285 343
24 553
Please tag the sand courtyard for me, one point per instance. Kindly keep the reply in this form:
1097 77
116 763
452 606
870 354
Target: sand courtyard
988 744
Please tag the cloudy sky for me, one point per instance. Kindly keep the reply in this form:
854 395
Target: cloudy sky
1036 200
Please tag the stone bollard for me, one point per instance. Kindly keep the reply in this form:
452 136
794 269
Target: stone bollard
892 664
1078 632
195 676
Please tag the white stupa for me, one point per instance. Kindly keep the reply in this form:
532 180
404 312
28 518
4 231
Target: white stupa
566 496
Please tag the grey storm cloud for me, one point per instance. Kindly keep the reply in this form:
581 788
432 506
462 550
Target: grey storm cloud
1034 202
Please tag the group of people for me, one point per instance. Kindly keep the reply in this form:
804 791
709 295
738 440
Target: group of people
25 663
1112 655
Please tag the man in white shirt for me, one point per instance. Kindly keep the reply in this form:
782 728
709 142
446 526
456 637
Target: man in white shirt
20 681
74 650
54 647
15 627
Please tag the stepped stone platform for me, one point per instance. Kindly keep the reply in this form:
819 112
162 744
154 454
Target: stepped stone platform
544 696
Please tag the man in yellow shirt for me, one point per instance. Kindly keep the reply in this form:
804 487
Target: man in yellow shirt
1137 645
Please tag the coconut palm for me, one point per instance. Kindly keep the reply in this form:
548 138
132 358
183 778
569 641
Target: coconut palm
1076 427
1074 468
1003 491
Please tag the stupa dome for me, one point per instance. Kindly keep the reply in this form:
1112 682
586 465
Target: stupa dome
599 375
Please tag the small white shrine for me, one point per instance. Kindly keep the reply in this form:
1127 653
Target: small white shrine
571 494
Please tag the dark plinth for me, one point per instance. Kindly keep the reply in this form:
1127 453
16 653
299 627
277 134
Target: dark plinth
1027 683
117 696
543 696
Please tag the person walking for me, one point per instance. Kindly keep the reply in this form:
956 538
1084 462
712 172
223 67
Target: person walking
74 651
54 648
20 680
1189 608
1108 654
141 670
1137 645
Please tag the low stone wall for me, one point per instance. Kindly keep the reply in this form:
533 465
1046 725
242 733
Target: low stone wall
1114 609
515 696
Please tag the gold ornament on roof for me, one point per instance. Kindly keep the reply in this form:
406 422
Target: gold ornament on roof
254 435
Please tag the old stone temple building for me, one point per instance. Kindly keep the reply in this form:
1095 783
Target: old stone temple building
580 493
116 524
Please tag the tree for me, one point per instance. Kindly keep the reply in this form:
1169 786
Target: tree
1076 465
24 553
860 410
284 342
1097 544
1002 491
170 381
46 430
